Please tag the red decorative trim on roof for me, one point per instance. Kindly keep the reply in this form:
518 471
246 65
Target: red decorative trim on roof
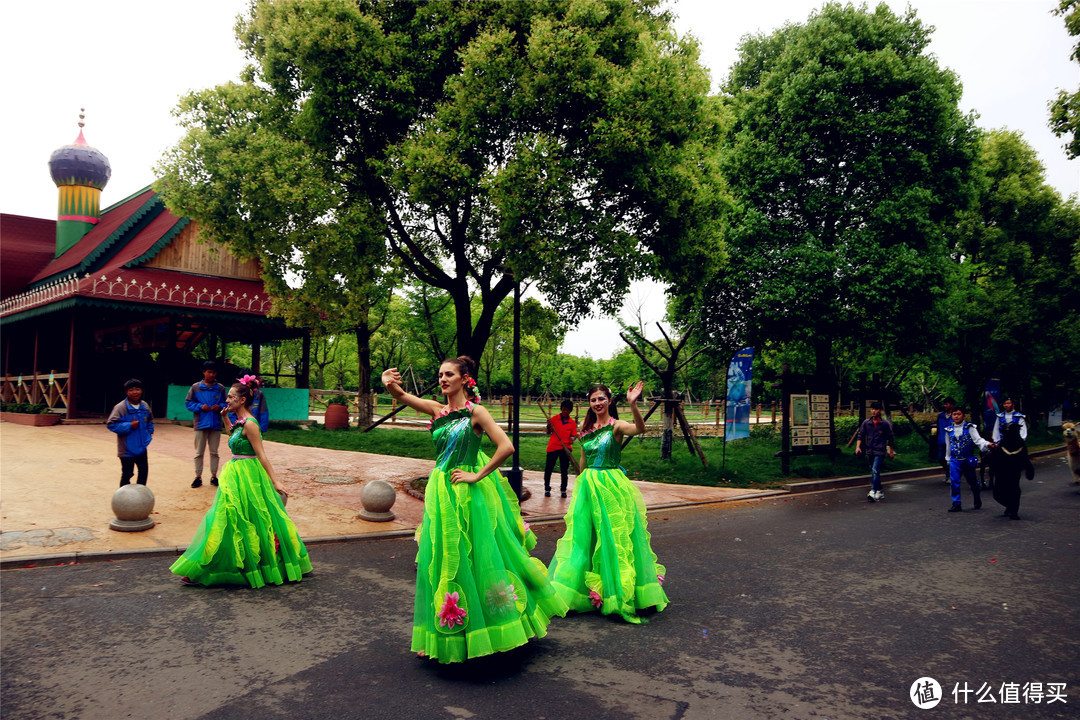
135 285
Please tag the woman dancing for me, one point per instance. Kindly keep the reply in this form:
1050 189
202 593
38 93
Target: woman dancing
245 538
604 560
478 591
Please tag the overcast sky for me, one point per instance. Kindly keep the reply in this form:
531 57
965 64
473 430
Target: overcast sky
128 62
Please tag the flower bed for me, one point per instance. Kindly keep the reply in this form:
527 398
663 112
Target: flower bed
34 420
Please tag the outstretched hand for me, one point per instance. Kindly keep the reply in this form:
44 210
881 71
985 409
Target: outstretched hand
635 391
391 376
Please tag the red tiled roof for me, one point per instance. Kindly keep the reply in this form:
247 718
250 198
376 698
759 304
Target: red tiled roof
95 266
26 245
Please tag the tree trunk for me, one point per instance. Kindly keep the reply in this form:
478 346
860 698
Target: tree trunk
363 352
667 440
823 360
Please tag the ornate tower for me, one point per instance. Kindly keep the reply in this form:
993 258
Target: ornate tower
80 173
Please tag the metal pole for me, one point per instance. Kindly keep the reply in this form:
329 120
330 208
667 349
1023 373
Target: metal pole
514 475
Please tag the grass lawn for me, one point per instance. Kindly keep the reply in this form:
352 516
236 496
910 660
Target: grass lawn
750 462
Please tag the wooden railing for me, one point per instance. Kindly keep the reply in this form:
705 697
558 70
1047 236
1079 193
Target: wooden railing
51 389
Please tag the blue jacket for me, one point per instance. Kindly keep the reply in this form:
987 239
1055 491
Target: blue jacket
259 411
944 422
201 394
131 442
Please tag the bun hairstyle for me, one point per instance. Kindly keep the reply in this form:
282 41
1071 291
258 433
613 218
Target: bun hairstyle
467 367
244 391
590 416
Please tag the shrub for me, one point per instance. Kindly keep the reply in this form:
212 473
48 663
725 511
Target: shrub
765 431
845 427
26 408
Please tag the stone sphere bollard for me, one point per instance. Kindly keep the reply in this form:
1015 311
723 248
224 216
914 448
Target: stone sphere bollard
378 497
132 505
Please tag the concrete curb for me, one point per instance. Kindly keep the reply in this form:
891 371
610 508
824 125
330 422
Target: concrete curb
864 480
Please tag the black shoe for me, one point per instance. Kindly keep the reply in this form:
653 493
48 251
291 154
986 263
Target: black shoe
564 494
197 482
213 481
978 502
547 493
1014 516
955 507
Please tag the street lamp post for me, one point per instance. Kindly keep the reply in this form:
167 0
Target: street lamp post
513 475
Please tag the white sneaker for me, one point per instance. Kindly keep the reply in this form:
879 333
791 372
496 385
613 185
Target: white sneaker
871 496
880 495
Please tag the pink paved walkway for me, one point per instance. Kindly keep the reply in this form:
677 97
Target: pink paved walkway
56 486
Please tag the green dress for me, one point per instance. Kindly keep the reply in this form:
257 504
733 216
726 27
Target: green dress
604 560
478 591
245 538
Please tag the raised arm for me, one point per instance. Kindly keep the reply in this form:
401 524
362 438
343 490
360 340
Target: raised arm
391 378
627 429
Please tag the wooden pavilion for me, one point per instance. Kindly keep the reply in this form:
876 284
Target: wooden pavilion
94 298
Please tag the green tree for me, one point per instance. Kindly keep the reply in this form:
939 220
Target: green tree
479 141
848 158
1010 313
251 179
1065 110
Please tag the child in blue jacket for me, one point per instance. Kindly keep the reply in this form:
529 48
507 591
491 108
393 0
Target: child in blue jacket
205 400
133 422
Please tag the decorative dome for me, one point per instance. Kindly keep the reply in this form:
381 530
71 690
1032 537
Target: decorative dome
80 164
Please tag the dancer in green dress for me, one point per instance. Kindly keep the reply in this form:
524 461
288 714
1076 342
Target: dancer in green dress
245 538
604 560
478 591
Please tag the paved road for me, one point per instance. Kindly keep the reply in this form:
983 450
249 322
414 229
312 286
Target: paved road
815 606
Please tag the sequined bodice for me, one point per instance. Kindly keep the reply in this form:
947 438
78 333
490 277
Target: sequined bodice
238 443
601 450
962 446
455 442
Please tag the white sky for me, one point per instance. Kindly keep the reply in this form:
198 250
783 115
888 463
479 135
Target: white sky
128 62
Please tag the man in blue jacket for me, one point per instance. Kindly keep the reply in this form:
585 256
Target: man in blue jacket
133 422
205 400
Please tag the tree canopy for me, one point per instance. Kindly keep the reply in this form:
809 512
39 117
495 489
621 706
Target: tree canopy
848 159
566 142
1008 314
1065 110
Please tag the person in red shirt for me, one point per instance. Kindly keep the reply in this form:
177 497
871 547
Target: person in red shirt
563 429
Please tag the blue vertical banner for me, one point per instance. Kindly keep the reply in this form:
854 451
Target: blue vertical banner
739 380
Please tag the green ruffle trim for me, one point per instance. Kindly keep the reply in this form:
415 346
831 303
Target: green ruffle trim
605 560
473 541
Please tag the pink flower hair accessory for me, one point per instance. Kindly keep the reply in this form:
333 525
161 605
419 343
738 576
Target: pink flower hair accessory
248 379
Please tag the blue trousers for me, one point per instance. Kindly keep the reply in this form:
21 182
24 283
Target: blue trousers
874 461
964 467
